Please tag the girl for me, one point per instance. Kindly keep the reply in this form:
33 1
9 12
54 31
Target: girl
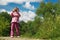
15 22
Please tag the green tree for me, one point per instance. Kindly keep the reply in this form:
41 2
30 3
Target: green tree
50 12
5 24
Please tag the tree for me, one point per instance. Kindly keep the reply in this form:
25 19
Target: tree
5 24
50 12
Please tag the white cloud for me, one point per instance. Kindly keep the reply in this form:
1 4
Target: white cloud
5 2
2 10
27 16
29 6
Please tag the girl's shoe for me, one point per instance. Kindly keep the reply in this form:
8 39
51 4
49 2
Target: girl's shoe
18 36
11 36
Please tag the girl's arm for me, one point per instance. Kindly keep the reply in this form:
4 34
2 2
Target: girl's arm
11 15
19 15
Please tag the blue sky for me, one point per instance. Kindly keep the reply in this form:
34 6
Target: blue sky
26 7
10 5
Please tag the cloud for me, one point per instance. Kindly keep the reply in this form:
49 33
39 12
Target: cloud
29 6
5 2
27 16
2 10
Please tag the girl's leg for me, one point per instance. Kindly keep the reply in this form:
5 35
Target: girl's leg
17 29
12 29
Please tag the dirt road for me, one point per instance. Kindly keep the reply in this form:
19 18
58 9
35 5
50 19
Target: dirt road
15 38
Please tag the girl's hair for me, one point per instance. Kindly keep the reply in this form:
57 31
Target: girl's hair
16 9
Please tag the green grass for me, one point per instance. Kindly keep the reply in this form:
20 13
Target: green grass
56 38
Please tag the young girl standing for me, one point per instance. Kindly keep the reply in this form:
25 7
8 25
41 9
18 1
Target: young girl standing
15 22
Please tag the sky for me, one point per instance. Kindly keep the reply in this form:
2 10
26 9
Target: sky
27 7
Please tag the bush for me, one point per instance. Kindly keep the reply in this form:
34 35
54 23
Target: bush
5 24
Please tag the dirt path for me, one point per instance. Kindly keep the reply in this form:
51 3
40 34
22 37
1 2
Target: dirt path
9 38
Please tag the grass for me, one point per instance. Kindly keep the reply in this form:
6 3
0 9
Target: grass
20 38
57 38
24 38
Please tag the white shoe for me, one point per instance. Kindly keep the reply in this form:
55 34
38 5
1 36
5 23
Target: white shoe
11 36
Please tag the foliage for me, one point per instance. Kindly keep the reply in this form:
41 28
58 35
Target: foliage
51 24
4 24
